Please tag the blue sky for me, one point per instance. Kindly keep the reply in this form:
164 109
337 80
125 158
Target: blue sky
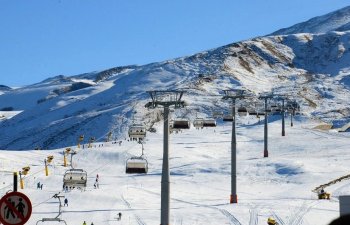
44 38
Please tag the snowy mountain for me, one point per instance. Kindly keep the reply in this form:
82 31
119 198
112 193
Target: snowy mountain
313 69
4 88
334 21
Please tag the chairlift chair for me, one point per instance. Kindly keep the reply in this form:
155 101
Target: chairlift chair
217 115
181 124
227 118
209 122
136 164
278 110
75 178
198 123
137 132
242 111
44 220
252 112
260 113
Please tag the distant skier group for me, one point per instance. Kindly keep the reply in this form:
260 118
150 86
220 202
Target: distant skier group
84 223
39 186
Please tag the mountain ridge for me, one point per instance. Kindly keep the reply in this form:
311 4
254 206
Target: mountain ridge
338 20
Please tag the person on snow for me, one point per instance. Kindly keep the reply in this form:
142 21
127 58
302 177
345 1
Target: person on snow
84 223
65 202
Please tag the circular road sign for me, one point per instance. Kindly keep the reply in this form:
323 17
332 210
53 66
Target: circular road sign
15 209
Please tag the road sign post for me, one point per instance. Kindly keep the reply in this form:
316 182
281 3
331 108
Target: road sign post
15 209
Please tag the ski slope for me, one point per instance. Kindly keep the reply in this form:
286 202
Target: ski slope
278 186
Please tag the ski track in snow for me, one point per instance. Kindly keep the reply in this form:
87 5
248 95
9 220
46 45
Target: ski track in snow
226 213
253 220
298 214
138 219
278 219
200 178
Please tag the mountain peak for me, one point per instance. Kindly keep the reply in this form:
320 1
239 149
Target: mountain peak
338 20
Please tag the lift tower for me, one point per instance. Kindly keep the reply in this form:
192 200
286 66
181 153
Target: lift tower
233 95
265 97
165 99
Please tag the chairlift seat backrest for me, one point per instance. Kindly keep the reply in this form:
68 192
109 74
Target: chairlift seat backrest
137 131
242 111
227 118
181 124
198 122
75 178
209 122
136 165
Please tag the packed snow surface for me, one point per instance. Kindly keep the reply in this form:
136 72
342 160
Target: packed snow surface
278 186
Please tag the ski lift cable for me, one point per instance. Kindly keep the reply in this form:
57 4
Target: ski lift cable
42 202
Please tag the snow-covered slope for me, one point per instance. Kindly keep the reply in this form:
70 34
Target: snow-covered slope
335 21
313 69
278 186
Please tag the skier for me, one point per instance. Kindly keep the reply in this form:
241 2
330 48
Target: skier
92 223
84 223
65 202
38 185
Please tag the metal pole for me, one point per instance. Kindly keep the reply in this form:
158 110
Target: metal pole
291 117
46 169
15 181
283 124
233 197
21 183
266 152
165 183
